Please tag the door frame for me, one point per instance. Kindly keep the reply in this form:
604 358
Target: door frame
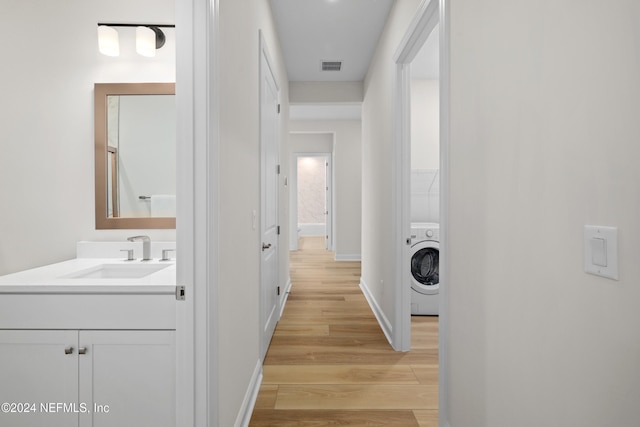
197 219
429 14
293 197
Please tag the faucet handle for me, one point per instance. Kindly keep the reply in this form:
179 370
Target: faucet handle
140 238
165 254
129 254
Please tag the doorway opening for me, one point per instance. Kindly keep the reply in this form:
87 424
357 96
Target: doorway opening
424 94
423 50
417 159
311 197
312 194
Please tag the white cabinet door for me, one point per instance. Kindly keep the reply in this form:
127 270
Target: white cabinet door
38 378
128 378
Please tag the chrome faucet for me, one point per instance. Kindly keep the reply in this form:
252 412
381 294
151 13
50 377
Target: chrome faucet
146 246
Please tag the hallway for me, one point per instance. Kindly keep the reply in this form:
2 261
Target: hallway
329 362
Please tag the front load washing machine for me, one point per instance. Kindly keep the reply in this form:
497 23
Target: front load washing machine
425 268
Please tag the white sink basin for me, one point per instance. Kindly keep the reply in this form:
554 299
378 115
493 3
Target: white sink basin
117 271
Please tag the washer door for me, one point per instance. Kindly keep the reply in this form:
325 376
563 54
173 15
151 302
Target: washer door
425 267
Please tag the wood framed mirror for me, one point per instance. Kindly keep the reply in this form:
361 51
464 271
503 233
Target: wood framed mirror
135 173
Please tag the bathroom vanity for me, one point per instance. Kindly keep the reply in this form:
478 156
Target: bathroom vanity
89 342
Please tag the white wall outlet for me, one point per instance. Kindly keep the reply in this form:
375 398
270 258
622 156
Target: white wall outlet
601 251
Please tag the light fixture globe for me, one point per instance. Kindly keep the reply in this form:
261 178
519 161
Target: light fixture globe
108 43
146 41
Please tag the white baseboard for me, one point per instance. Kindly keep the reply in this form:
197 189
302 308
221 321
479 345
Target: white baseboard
284 296
246 410
348 257
377 311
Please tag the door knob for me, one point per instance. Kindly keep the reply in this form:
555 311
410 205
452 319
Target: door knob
266 246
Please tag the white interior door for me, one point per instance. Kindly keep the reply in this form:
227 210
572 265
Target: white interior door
269 170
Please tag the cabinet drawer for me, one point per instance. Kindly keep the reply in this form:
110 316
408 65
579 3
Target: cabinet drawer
39 311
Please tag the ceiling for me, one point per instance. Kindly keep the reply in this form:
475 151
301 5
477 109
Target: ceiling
312 31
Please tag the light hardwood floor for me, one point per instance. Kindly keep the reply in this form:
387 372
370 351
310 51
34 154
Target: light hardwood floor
329 362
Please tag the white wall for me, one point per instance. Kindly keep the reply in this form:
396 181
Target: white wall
325 92
237 315
312 191
425 150
310 142
377 159
544 139
347 184
51 61
425 128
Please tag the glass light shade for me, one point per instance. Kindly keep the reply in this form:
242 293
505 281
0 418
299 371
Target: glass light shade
108 43
146 41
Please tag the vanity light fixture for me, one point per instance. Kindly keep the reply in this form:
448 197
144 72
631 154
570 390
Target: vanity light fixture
149 37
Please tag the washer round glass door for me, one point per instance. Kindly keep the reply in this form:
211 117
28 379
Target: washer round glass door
425 267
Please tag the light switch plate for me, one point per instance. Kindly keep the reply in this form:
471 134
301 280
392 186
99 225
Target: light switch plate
601 251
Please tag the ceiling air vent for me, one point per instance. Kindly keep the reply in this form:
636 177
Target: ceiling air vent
331 65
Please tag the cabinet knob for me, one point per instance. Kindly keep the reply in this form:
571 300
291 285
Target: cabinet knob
82 350
68 350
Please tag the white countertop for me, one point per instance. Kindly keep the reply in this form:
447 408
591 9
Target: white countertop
52 279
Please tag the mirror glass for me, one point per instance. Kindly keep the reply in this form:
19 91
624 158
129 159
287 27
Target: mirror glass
135 155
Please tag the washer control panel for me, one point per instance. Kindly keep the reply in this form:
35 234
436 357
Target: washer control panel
425 231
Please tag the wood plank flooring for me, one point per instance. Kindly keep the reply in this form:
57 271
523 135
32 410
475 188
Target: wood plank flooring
329 362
